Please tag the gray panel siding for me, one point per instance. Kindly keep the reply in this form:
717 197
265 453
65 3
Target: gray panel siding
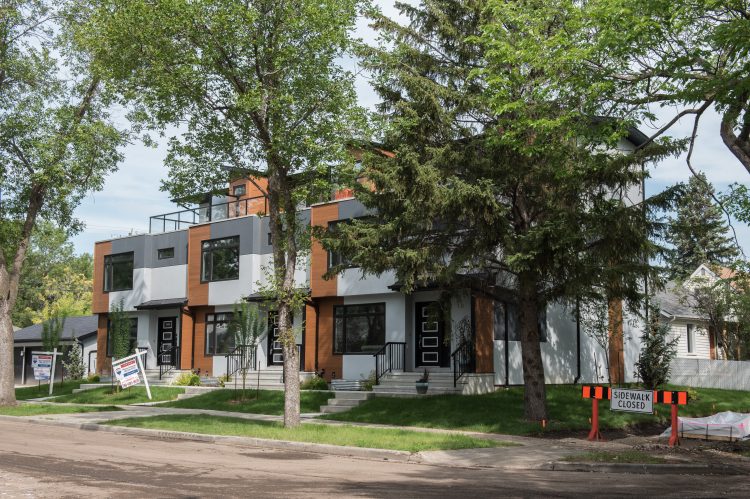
352 209
136 244
247 228
176 240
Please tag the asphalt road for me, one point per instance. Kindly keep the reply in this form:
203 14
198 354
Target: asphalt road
45 461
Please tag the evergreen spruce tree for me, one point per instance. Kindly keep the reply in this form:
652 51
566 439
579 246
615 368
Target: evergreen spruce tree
698 232
52 330
657 352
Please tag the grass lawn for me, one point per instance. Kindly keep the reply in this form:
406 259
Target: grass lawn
352 436
628 456
132 395
268 401
502 411
38 391
37 409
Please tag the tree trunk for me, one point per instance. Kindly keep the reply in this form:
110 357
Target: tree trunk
534 396
291 371
7 374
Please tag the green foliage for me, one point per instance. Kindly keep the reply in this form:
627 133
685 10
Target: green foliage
246 325
657 352
223 380
54 278
119 331
369 382
698 232
92 378
187 379
73 364
52 331
314 383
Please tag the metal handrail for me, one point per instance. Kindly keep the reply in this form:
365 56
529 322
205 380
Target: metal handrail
241 357
392 357
463 360
168 361
177 220
142 349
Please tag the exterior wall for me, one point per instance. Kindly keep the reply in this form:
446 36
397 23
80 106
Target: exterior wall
103 363
100 299
202 362
197 291
702 346
321 215
327 361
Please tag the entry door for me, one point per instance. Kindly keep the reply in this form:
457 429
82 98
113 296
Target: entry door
275 350
167 341
430 348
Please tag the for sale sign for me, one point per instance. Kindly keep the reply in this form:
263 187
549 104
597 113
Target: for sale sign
42 366
632 400
126 372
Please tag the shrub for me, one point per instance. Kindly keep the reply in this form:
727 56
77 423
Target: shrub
223 380
369 382
93 378
657 353
187 379
73 361
314 383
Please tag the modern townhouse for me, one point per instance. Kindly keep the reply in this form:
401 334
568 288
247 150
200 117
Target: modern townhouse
179 283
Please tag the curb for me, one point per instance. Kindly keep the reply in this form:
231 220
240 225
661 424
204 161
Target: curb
643 469
165 435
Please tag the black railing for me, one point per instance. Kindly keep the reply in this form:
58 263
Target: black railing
169 360
143 358
392 357
463 360
178 220
242 357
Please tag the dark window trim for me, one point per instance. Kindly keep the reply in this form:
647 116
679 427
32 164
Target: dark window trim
205 332
690 329
237 237
104 277
241 186
335 307
329 254
107 349
158 253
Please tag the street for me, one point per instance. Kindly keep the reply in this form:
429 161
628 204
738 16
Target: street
44 461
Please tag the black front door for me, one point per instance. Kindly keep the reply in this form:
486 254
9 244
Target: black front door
275 350
166 341
431 349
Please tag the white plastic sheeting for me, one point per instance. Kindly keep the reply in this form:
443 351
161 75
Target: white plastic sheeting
729 425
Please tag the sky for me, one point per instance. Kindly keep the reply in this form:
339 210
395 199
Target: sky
132 194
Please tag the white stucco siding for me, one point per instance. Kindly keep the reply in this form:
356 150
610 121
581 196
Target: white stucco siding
89 353
357 367
227 292
352 282
702 345
168 282
394 312
632 331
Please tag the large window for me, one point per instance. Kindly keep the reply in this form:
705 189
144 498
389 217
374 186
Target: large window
118 272
506 323
218 338
359 328
220 259
133 337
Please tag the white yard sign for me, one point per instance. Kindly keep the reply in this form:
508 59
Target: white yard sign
42 366
127 371
632 400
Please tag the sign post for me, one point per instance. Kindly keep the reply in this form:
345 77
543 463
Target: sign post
43 364
127 371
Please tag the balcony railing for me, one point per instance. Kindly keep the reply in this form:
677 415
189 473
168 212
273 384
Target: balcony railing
178 220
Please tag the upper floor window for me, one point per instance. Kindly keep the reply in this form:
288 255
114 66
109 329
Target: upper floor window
118 272
165 253
691 338
220 259
218 338
336 258
240 190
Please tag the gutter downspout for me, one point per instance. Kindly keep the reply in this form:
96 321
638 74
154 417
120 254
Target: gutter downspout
507 347
578 341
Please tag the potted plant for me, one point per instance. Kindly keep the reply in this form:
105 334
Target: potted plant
423 382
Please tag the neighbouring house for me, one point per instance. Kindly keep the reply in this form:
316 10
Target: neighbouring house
178 284
80 331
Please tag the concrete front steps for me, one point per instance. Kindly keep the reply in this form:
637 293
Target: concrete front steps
440 382
267 378
343 401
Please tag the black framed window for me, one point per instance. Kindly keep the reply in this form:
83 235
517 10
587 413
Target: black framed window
165 253
133 336
506 322
336 258
240 190
219 340
359 328
220 259
118 272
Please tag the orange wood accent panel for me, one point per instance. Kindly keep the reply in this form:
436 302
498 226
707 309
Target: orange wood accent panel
254 189
103 363
197 292
310 333
485 333
202 361
321 215
333 364
100 299
186 341
616 350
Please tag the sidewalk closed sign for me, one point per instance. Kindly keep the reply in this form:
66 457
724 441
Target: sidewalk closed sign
632 400
42 366
126 372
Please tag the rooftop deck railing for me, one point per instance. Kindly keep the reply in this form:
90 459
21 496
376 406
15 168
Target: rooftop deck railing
178 220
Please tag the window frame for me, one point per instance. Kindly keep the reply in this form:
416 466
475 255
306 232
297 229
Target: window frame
133 335
213 322
109 270
690 337
160 250
211 250
241 187
330 254
336 308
